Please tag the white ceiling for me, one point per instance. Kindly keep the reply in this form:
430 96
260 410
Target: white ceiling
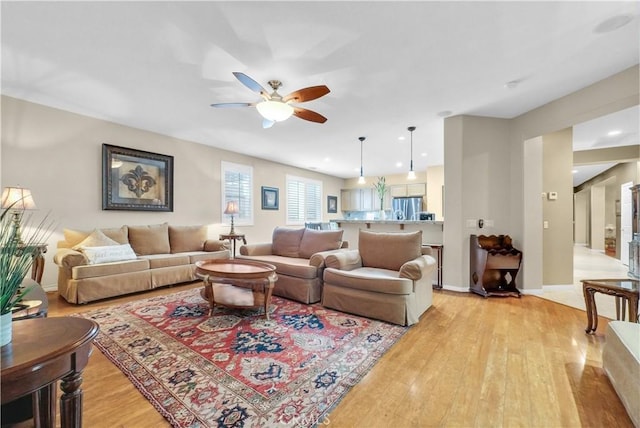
159 65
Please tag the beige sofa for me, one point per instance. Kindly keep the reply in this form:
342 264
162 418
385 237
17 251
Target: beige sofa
298 255
621 363
387 278
111 262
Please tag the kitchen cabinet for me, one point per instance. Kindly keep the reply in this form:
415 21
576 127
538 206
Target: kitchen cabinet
413 189
359 200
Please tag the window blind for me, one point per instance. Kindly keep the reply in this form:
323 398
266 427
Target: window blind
237 185
304 200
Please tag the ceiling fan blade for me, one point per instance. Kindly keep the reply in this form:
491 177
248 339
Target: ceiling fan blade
232 105
266 123
309 115
251 84
306 94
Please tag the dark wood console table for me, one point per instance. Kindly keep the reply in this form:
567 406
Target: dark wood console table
624 290
44 350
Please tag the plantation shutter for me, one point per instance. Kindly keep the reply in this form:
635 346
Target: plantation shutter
304 200
236 186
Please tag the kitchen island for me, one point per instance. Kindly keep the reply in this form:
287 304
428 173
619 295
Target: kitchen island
431 230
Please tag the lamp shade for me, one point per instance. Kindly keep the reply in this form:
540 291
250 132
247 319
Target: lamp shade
17 198
232 208
276 111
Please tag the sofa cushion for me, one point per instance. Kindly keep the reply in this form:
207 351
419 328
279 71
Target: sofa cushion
286 242
315 241
166 260
290 266
97 238
187 238
369 279
74 237
151 239
105 269
108 253
389 250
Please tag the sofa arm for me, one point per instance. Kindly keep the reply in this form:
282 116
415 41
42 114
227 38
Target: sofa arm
319 259
344 260
212 245
263 249
417 268
68 258
427 251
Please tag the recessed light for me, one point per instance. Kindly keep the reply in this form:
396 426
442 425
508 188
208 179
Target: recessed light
327 159
356 169
575 171
445 113
614 133
423 154
613 23
398 164
401 137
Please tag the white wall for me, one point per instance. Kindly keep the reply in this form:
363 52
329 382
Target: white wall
57 155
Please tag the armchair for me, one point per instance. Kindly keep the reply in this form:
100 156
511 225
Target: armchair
387 278
494 265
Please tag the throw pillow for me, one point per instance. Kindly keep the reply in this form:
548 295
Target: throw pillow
389 250
314 241
73 237
110 253
95 239
151 239
187 238
286 242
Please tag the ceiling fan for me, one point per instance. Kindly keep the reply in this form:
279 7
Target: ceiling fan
276 108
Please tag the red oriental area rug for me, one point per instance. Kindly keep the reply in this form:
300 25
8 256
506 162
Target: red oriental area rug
235 368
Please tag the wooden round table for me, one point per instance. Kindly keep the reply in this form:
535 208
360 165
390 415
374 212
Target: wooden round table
237 283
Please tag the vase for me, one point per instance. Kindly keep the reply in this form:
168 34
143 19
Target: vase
5 328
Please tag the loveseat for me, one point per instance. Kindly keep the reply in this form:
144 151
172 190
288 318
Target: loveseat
104 263
299 257
389 277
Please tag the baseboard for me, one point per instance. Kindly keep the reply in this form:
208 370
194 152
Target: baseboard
456 289
532 291
560 287
50 288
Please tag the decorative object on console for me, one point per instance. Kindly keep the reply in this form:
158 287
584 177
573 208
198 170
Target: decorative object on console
16 200
361 178
136 180
276 108
270 198
232 209
412 174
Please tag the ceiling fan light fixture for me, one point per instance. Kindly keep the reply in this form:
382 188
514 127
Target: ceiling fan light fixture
276 111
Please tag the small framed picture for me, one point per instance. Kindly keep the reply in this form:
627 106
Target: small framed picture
332 204
270 198
136 180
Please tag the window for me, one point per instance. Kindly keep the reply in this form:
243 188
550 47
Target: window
304 200
237 185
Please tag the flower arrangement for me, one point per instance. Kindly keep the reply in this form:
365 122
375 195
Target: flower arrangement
16 255
381 188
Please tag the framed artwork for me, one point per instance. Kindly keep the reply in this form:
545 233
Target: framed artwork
332 204
135 180
270 198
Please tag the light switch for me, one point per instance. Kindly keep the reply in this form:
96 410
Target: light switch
553 196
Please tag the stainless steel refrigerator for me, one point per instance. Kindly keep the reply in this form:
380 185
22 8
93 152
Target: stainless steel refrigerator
407 208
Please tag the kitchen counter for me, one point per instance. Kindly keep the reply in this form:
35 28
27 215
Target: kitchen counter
431 230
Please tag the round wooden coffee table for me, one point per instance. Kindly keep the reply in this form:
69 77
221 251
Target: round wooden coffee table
237 283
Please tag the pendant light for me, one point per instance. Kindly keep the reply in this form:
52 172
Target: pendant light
361 179
412 174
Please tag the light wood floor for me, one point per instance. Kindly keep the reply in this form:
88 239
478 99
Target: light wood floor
469 362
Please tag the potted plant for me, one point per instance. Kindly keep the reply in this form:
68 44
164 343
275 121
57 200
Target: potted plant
381 189
16 257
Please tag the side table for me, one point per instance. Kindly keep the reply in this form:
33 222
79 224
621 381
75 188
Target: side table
42 351
233 237
623 289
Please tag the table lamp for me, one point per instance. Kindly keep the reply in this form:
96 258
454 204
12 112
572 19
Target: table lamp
232 208
17 199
